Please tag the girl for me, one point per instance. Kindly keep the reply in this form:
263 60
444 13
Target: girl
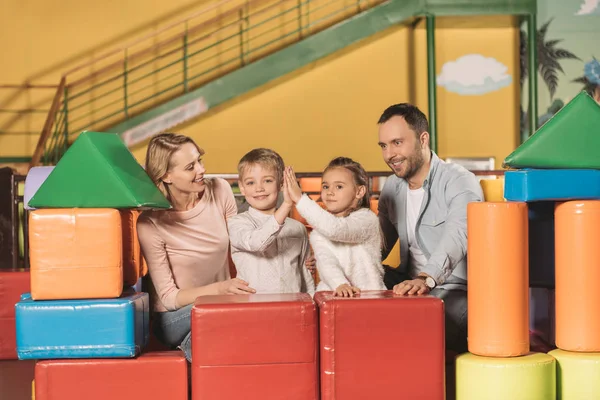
187 247
346 238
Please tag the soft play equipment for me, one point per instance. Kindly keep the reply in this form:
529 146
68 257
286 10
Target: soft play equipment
498 296
541 244
98 171
493 189
15 379
577 225
255 346
12 284
552 184
158 375
35 177
529 377
134 267
100 328
358 362
75 253
568 140
577 375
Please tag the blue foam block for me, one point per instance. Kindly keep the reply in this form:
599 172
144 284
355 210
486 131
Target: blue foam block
552 184
99 328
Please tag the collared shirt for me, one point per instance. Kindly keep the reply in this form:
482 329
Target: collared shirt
441 229
269 256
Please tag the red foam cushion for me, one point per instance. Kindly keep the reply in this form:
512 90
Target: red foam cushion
159 375
15 379
379 345
266 344
13 283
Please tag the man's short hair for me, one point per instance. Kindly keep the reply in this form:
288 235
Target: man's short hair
415 119
266 158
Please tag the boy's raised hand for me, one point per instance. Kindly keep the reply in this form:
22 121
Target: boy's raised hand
291 183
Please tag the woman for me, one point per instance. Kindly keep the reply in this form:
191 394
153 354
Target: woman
186 247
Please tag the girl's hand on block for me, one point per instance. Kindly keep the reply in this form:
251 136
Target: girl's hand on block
235 286
346 290
291 185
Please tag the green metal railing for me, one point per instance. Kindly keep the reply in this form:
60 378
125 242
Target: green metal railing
219 39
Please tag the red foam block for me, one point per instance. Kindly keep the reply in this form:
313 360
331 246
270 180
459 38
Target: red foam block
13 283
159 375
15 379
255 346
381 346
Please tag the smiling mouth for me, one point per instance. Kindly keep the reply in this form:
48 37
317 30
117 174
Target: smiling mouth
199 180
396 164
260 197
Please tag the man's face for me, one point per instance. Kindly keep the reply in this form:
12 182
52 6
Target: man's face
400 147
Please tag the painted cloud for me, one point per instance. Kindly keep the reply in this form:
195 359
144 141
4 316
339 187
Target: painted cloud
589 7
474 74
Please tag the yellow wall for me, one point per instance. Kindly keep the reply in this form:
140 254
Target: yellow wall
327 109
41 39
331 107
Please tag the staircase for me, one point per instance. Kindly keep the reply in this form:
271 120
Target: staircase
221 52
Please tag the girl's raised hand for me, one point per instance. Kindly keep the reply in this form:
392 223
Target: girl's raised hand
292 186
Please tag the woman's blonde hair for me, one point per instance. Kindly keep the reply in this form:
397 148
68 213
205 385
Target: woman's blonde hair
158 160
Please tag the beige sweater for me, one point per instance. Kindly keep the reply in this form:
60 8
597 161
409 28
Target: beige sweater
269 256
187 249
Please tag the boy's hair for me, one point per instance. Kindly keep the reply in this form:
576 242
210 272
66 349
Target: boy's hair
358 173
264 157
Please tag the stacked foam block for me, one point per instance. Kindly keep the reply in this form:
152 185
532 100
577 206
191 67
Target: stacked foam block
546 234
82 320
287 346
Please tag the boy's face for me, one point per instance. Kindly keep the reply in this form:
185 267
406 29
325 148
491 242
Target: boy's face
260 187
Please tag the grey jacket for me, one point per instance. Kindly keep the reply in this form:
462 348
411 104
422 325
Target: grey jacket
441 229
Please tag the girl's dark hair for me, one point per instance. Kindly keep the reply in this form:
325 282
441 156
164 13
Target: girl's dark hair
358 172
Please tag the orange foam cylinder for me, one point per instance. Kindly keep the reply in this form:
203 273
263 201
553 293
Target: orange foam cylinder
75 253
498 278
577 273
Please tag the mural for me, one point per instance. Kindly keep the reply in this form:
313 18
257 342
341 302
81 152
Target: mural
589 7
474 74
567 49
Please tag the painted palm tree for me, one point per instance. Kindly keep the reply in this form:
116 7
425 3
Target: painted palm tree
548 58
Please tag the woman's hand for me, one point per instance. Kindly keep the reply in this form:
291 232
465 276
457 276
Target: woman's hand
291 184
346 290
235 286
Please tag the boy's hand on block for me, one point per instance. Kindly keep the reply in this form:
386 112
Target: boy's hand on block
346 290
292 185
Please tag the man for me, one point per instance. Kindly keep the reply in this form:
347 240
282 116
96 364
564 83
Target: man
424 204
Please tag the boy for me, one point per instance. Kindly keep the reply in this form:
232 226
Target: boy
268 248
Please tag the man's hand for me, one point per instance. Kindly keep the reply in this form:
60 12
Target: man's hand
311 263
346 290
415 286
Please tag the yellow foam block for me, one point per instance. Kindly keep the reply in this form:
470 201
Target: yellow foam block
529 377
75 253
493 189
577 375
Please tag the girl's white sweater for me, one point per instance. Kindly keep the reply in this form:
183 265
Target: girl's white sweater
347 249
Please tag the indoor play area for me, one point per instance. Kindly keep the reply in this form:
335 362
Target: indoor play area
511 90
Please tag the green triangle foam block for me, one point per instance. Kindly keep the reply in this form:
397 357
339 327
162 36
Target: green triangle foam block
98 171
570 139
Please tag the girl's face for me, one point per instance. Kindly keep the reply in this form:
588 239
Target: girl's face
339 192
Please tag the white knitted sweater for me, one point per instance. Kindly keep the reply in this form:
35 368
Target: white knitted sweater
347 249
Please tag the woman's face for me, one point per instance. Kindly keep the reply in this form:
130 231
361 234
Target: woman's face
186 172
